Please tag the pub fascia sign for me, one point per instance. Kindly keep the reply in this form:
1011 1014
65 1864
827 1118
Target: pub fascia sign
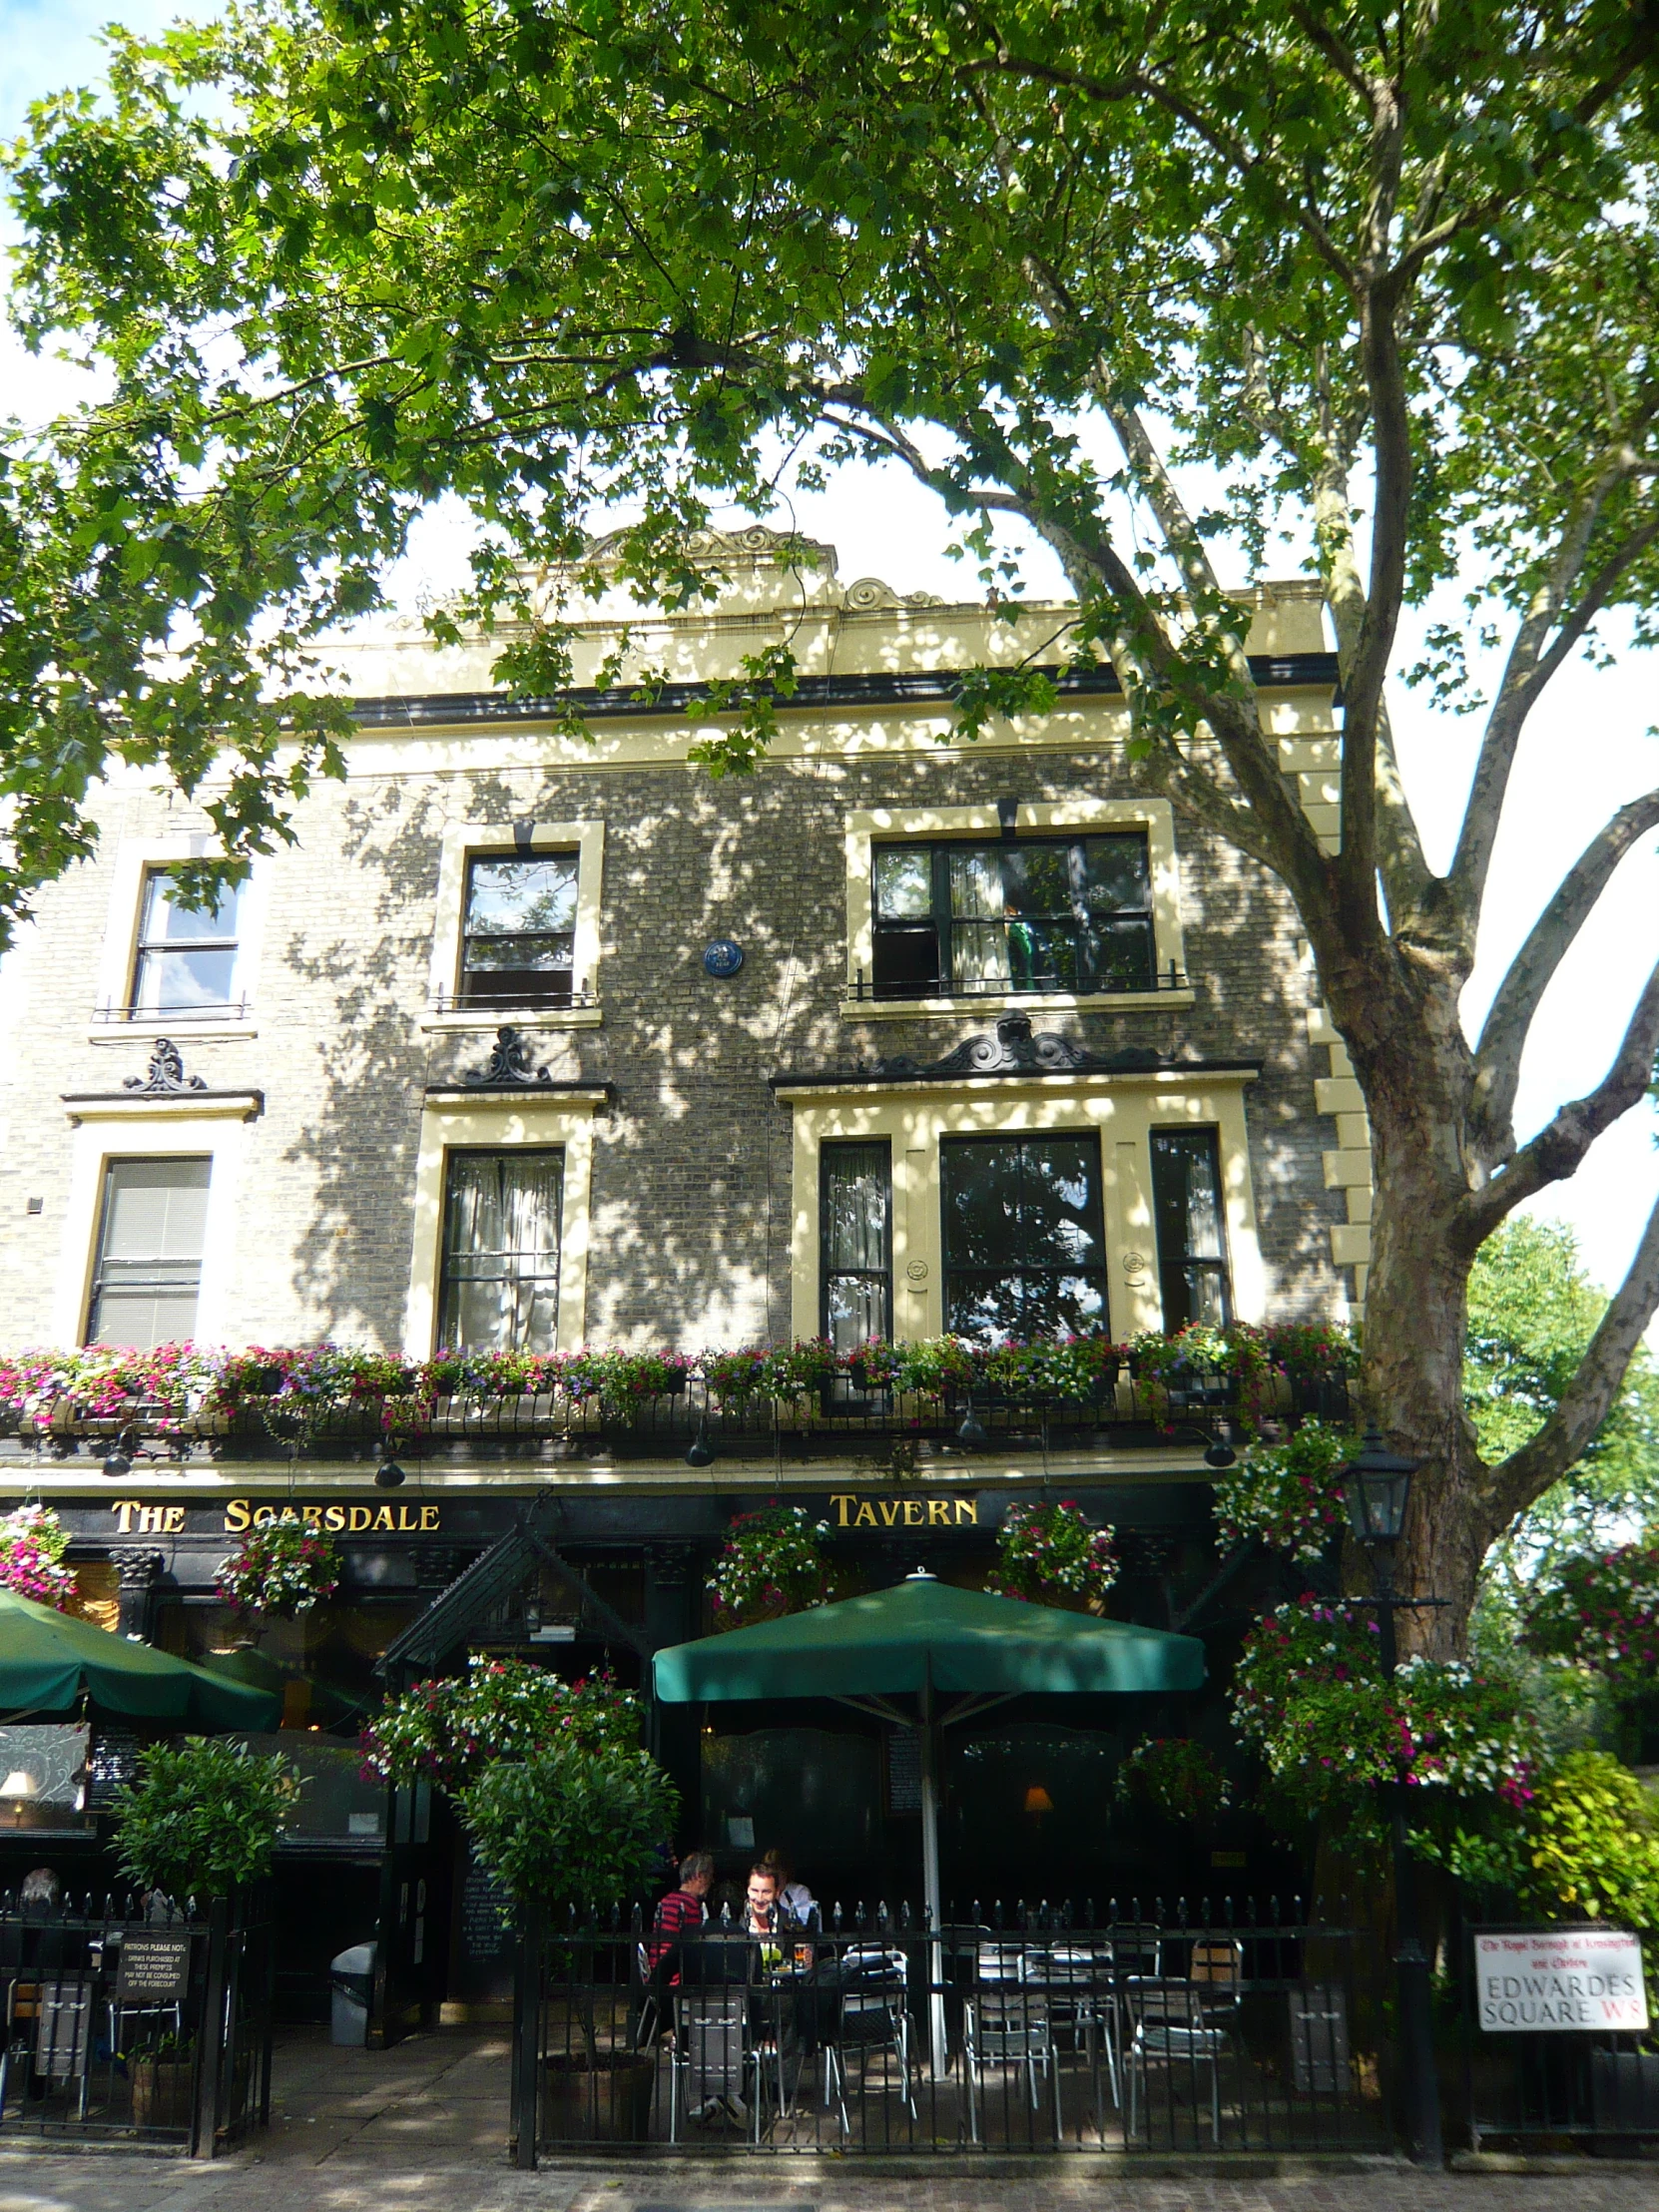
134 1519
1540 1981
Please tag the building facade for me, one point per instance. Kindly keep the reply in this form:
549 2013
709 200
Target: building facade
535 1042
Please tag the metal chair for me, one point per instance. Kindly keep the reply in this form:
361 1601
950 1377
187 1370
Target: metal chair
1006 2020
874 2013
55 2011
1183 2022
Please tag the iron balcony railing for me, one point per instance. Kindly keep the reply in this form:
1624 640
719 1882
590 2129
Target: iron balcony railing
863 986
1185 1406
181 1010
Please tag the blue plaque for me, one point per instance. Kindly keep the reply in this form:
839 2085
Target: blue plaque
723 957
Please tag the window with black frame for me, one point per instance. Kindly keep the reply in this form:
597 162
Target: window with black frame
185 965
518 937
150 1239
1032 914
499 1286
855 1242
1024 1247
1190 1228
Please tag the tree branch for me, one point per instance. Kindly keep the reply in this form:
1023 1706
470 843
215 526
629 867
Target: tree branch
1589 1396
1555 1152
1504 1032
1536 654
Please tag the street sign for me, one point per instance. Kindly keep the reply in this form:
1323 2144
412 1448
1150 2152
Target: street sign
1541 1980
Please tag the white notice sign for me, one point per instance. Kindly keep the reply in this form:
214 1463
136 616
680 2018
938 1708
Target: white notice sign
1543 1979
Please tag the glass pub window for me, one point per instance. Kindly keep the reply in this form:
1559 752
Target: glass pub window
1024 1249
500 1280
855 1242
518 938
149 1241
1042 915
187 961
1192 1238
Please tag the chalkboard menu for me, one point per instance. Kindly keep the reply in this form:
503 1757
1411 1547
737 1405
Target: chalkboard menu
905 1770
483 1940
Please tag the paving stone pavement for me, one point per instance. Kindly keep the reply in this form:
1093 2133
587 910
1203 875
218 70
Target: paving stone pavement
421 2128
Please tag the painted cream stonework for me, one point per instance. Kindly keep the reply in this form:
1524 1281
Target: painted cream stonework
1123 1109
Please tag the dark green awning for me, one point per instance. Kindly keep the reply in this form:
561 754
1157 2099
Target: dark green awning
928 1633
48 1659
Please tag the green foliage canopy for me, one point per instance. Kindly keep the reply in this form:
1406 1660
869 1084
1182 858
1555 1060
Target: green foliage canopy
203 1819
570 1826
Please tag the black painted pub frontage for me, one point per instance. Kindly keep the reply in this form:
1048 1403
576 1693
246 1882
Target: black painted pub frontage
577 1575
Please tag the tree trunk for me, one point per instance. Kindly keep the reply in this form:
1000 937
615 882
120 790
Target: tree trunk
1414 1070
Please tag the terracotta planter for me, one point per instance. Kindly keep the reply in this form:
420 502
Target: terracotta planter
160 2092
610 2104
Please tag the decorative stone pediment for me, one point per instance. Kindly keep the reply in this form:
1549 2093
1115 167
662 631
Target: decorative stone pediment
1014 1048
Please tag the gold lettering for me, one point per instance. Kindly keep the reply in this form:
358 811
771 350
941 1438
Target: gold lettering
124 1508
912 1512
888 1508
841 1503
382 1518
288 1517
333 1516
149 1519
939 1512
263 1515
358 1518
864 1514
428 1517
175 1520
404 1524
311 1516
236 1516
968 1509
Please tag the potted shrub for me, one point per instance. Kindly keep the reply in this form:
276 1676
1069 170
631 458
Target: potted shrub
201 1820
571 1833
162 2073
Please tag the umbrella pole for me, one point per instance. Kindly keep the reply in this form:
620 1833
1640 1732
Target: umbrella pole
930 1875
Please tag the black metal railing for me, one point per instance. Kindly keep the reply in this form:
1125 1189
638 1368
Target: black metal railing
842 1417
1214 2027
481 1001
179 1010
1526 2087
136 2021
862 986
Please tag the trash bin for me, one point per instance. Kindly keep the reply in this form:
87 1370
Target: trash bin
351 1977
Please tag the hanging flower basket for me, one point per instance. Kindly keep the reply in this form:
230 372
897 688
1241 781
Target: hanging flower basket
280 1570
1053 1555
32 1545
1287 1497
773 1563
1177 1778
1601 1611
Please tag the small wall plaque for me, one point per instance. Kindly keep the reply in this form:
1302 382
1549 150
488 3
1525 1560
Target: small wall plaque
723 957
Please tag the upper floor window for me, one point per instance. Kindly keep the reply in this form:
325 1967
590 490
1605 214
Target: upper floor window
1190 1222
1024 1242
518 934
855 1239
1067 914
499 1286
147 1275
187 958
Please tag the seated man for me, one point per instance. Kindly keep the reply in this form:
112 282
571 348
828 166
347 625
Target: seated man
682 1909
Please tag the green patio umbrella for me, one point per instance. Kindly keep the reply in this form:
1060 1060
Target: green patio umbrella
48 1659
916 1640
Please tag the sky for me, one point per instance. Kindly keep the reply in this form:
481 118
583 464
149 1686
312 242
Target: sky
1590 746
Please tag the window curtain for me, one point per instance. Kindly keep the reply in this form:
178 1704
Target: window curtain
979 909
501 1251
